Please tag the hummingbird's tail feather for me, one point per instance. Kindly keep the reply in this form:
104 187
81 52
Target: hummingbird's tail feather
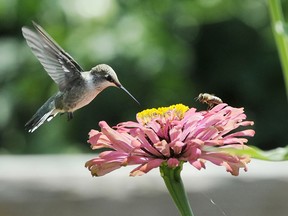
37 120
45 113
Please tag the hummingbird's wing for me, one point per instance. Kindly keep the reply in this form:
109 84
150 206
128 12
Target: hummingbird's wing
61 67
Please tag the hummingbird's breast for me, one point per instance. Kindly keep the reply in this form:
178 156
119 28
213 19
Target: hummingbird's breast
80 96
84 99
81 93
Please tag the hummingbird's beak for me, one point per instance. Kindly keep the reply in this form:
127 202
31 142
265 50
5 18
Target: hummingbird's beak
124 89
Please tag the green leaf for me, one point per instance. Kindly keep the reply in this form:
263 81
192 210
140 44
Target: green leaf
278 154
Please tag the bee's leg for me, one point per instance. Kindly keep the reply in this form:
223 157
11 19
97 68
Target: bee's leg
69 116
210 106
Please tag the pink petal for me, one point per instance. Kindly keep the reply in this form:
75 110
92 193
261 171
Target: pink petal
128 125
246 123
229 141
93 133
214 142
113 156
134 159
218 107
136 144
119 142
207 133
248 132
192 151
233 168
145 168
145 143
155 126
217 157
106 162
98 140
175 133
151 135
198 164
177 147
172 162
191 119
163 148
104 168
232 163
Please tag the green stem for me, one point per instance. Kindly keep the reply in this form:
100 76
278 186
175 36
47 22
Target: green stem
280 33
176 189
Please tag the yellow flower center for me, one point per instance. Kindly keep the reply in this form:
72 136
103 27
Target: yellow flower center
172 112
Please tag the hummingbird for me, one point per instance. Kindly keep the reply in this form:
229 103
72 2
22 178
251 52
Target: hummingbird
77 87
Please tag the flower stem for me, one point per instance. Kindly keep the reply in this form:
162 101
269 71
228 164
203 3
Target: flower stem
176 189
280 33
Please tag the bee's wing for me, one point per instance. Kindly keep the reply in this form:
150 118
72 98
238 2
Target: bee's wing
60 66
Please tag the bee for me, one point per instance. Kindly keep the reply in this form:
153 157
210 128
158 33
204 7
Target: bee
209 99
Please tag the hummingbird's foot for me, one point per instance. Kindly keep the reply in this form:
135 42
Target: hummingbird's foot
69 116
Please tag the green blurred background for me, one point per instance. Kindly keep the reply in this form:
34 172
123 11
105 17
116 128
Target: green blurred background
164 52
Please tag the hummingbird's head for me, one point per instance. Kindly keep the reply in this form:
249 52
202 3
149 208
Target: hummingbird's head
107 76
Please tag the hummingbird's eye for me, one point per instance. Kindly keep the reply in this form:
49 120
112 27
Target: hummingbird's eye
109 78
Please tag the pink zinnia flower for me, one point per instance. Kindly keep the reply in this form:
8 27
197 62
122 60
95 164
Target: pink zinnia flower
171 136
